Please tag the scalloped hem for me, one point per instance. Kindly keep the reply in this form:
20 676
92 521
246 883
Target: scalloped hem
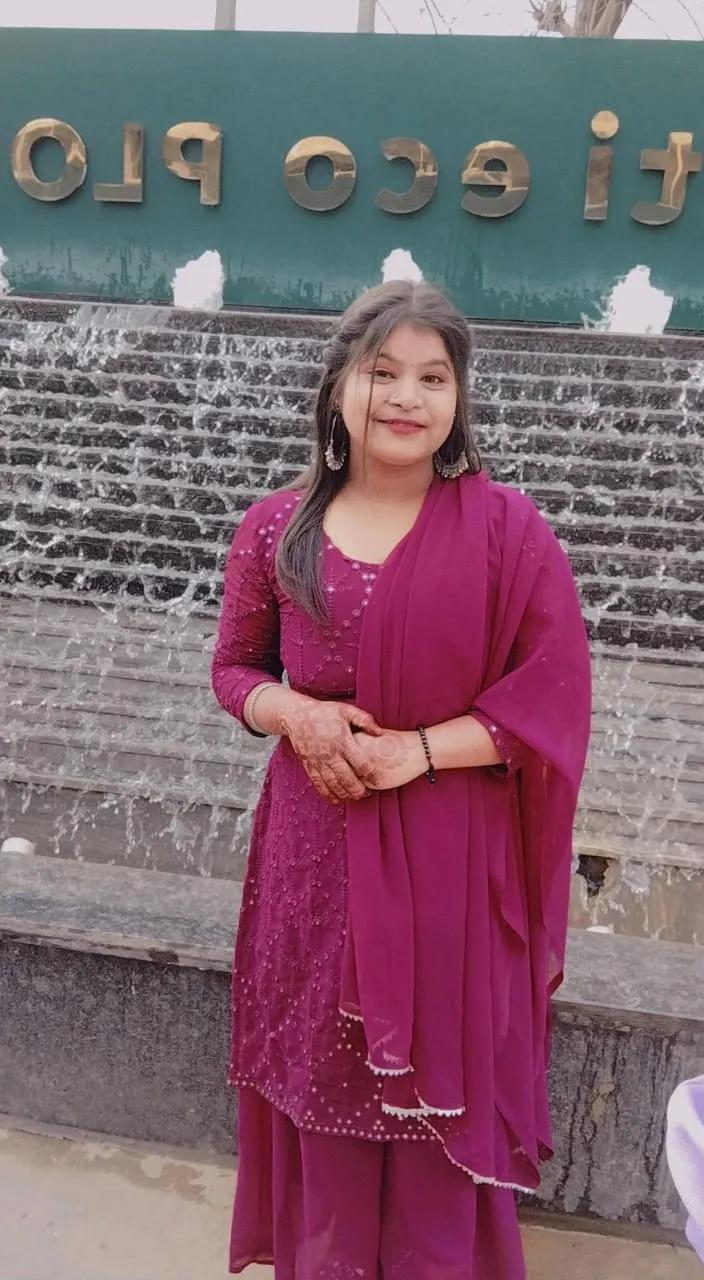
418 1113
480 1179
388 1071
353 1017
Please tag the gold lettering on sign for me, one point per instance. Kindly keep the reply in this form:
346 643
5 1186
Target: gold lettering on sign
75 159
605 126
131 189
514 178
207 170
426 179
344 173
676 164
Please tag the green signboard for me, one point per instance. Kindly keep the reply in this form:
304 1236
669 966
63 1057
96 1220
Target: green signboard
524 176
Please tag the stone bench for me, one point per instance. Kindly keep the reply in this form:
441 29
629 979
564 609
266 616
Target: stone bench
115 1018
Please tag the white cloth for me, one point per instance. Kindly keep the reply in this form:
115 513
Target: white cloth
685 1154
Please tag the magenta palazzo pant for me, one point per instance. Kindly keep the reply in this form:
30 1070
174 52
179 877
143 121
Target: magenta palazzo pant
339 1208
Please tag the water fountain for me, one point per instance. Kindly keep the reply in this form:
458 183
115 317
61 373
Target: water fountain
132 440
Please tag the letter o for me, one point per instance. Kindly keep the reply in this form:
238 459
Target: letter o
344 175
75 159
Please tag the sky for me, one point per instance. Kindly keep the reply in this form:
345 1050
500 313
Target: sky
648 19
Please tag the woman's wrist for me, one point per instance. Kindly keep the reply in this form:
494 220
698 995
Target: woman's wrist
463 743
274 704
416 750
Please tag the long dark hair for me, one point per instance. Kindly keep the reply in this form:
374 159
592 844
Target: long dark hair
361 332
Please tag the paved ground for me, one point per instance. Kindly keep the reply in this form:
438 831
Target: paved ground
86 1209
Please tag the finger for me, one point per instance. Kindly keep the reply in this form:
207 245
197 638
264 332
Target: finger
343 780
321 787
360 763
362 720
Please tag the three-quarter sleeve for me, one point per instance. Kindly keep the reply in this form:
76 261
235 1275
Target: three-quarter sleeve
247 647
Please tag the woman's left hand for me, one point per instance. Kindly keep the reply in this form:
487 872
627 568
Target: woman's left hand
393 759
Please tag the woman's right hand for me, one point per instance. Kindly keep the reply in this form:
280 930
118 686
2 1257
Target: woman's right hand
321 734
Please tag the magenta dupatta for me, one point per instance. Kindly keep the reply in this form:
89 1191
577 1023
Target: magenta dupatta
458 893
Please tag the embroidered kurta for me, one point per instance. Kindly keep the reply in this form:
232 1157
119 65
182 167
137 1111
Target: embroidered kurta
289 1041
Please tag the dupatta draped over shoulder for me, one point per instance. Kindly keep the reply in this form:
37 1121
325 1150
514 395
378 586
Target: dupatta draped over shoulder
458 893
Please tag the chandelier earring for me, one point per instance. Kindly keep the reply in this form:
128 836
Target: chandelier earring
336 452
451 470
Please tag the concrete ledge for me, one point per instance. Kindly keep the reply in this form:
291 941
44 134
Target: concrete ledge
115 1014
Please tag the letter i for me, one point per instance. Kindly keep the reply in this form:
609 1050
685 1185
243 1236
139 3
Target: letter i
605 126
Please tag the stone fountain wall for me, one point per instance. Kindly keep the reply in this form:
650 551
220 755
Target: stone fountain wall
133 438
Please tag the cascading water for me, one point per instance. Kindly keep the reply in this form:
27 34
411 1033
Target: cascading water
133 439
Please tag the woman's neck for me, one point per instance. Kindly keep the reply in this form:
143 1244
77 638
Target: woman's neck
389 485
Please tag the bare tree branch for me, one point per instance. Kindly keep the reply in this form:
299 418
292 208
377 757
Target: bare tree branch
595 18
431 15
607 16
690 15
639 8
592 18
551 17
387 15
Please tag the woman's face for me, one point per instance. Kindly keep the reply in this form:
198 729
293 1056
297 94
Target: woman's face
413 398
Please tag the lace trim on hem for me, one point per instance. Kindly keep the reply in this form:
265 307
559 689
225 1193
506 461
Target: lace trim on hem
440 1111
354 1017
480 1179
418 1112
389 1071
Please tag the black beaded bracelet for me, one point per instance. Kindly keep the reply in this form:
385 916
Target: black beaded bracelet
430 774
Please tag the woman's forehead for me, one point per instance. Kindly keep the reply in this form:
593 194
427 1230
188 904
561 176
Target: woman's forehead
413 344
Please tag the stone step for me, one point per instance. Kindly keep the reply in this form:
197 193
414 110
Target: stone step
611 631
556 487
672 466
152 390
53 313
112 715
648 568
88 949
583 379
177 833
641 540
203 355
132 445
586 363
653 618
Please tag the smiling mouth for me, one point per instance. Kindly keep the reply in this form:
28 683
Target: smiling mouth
403 425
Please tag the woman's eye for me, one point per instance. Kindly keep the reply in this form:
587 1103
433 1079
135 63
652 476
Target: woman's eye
382 373
434 378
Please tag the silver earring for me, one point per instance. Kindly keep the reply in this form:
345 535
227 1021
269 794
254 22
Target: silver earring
451 470
336 461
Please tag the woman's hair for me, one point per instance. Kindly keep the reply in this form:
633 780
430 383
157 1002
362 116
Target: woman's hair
360 333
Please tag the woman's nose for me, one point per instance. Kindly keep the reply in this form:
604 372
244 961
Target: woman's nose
405 391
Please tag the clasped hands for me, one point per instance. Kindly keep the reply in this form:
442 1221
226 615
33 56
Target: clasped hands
347 755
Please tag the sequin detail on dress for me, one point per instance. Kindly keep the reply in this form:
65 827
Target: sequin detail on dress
289 1041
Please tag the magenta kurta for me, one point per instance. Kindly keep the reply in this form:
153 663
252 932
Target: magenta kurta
435 917
289 1041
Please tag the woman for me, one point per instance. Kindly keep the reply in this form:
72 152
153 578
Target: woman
404 912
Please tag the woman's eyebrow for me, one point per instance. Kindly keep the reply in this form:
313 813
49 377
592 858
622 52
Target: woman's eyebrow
425 364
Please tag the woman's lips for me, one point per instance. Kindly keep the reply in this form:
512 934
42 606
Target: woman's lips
402 426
